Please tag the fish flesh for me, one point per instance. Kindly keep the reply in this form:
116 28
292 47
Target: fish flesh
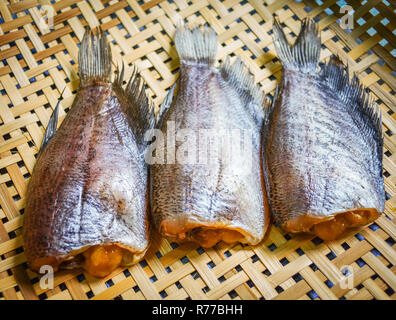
324 143
217 194
87 200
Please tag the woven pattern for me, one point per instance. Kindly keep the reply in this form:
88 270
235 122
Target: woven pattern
36 64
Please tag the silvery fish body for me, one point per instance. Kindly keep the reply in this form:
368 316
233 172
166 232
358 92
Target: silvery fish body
222 197
87 201
324 146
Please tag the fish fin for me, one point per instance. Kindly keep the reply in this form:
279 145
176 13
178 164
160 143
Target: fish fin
363 108
51 127
165 106
305 53
140 111
94 58
239 76
270 105
196 44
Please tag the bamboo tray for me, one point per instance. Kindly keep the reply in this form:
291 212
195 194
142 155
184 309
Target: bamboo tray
37 64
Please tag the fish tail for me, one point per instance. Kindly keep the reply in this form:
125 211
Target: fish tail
198 44
239 76
305 53
94 58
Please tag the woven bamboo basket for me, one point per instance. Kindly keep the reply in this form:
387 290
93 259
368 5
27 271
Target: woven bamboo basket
37 63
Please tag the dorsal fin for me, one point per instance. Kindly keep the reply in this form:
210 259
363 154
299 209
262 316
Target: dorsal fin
270 103
140 111
364 110
242 80
94 58
165 106
52 124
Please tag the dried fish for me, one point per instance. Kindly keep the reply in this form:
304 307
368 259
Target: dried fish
324 146
208 197
87 201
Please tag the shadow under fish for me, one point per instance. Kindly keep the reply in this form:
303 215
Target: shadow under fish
87 201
